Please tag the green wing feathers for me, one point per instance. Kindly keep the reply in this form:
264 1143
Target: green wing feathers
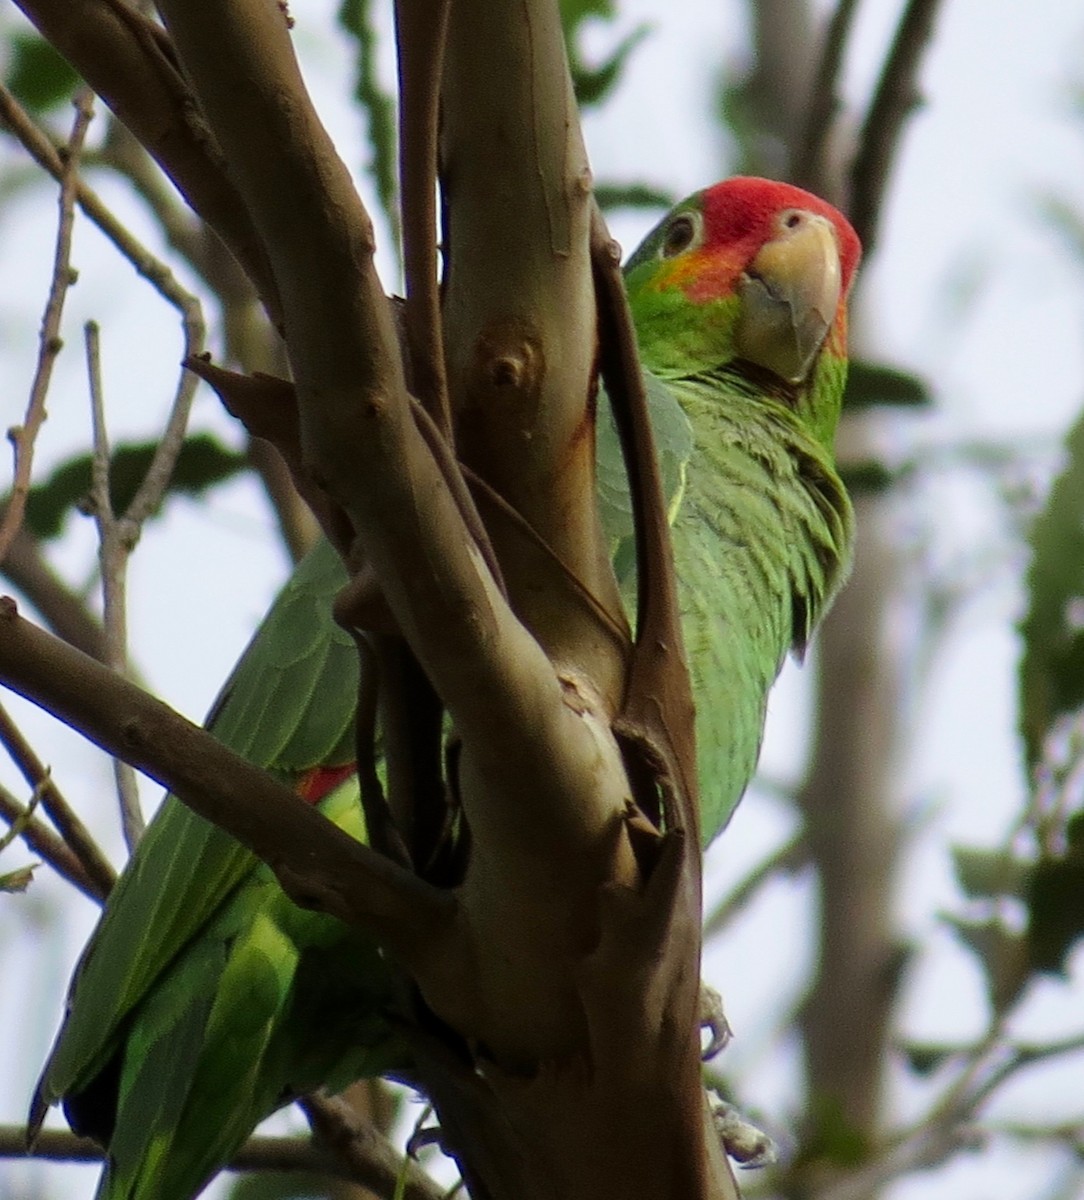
206 999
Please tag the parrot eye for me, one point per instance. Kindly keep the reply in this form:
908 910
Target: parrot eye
680 234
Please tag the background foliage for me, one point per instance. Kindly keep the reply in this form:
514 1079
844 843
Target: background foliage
929 1018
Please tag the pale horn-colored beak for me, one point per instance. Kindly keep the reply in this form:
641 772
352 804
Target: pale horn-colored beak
789 294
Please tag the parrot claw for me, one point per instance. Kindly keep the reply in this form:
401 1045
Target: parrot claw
713 1019
746 1143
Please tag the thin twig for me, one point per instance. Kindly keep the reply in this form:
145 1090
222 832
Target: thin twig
72 830
257 1154
53 849
37 144
371 1159
116 540
895 98
808 154
23 436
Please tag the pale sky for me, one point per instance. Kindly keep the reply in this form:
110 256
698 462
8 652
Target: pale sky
968 288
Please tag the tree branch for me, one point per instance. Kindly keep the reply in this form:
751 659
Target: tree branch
808 165
893 101
41 839
127 59
72 830
63 611
23 436
317 864
368 1155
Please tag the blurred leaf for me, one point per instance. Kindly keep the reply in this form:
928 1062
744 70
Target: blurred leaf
985 874
831 1137
37 76
926 1059
575 12
869 478
874 383
632 195
1064 217
1051 682
1055 902
356 18
19 879
593 84
1002 954
203 462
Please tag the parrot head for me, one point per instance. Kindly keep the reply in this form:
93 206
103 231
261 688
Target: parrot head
749 275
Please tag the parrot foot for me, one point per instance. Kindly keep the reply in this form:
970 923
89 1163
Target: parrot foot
713 1019
746 1143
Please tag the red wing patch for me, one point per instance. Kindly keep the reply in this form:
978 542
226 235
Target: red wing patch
314 785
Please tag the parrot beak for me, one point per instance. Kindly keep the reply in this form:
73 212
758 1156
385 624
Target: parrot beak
789 294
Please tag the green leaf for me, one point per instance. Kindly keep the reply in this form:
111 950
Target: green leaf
986 874
1002 954
870 478
870 384
203 462
19 879
925 1059
356 18
593 84
575 12
633 195
37 76
1055 903
1051 680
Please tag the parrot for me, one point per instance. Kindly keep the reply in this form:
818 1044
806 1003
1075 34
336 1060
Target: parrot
205 999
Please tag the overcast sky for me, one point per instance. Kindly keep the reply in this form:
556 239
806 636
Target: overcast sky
968 288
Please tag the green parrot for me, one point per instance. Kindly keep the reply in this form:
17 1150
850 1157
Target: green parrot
205 999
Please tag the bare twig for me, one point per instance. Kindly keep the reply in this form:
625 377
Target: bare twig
114 546
37 144
895 98
72 830
807 157
367 1154
53 849
127 59
257 1154
23 436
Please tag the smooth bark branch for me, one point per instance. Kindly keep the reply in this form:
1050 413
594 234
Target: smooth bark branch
895 98
63 611
421 29
358 433
519 309
128 61
317 864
